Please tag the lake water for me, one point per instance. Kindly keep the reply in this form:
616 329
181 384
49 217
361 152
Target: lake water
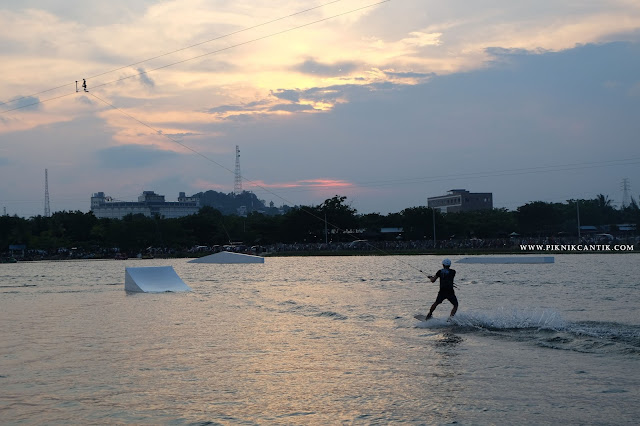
322 340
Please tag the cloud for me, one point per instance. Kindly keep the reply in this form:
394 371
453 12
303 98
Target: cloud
24 103
425 39
311 66
180 136
80 10
409 77
249 106
292 95
316 99
145 79
83 99
511 52
526 110
320 183
313 94
292 108
133 156
374 97
325 183
4 161
243 118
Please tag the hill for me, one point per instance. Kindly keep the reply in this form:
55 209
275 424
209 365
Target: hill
231 203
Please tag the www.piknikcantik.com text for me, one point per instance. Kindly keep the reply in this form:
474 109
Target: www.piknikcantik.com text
576 247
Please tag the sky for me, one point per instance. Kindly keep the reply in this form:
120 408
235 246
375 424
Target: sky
386 103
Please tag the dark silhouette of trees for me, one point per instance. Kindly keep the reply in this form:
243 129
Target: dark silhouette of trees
540 218
305 224
482 223
302 224
417 223
340 217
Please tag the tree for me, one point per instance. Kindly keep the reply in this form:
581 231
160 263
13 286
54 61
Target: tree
631 213
339 216
302 224
372 222
595 212
13 230
263 229
540 218
204 228
417 223
482 223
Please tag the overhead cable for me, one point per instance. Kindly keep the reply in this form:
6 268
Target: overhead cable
192 58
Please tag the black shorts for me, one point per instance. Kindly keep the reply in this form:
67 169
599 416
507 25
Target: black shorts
450 295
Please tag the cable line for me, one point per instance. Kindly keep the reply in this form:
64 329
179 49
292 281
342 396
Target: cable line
509 172
40 101
218 38
207 54
195 57
177 50
485 174
160 133
29 96
302 208
157 131
243 43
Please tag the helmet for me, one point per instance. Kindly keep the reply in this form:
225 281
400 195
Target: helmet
446 262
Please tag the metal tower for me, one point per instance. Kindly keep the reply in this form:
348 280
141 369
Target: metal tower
626 187
47 208
237 185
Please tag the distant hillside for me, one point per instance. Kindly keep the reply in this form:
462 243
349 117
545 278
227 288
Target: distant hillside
231 203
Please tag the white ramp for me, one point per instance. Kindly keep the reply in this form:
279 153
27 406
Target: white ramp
153 279
508 259
228 257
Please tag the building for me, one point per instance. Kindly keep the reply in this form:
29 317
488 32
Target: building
149 204
461 200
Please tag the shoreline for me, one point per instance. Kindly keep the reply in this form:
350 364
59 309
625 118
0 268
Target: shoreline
376 252
439 253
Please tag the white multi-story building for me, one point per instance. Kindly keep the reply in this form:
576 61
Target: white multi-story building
149 204
461 200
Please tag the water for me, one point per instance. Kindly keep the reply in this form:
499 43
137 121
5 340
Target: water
322 340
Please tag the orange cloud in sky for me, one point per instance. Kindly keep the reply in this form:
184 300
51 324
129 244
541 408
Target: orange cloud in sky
323 183
206 185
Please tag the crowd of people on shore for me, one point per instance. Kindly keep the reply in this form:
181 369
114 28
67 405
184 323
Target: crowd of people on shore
355 246
492 244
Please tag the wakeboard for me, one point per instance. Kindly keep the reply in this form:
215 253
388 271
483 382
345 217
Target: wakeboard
421 317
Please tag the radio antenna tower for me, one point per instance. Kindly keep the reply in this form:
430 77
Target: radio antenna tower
47 208
626 187
237 185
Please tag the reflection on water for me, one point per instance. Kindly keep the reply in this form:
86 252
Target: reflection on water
448 341
308 341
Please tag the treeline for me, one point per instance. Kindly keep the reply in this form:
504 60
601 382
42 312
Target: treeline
334 220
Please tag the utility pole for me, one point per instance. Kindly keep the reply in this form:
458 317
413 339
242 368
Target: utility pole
578 212
47 208
626 187
434 227
326 230
237 185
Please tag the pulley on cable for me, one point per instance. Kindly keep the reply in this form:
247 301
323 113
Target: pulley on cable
84 85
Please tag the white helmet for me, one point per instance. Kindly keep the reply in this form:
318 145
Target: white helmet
446 262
